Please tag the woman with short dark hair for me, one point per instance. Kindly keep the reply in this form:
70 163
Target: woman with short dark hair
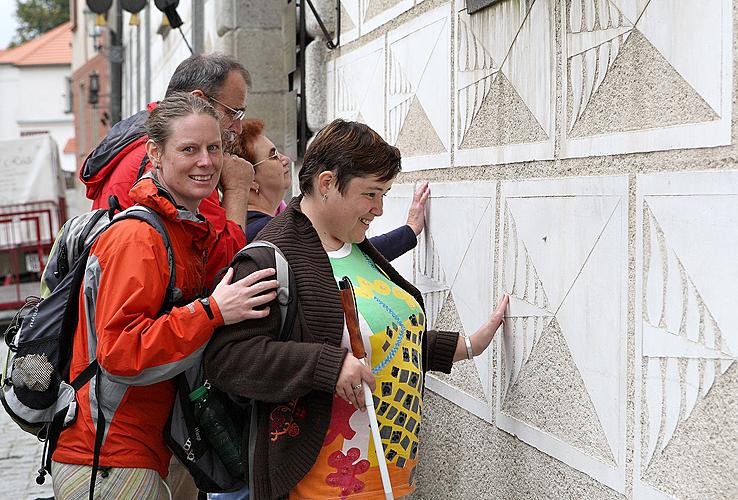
312 438
272 180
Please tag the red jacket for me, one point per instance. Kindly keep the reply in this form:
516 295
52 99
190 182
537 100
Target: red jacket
112 169
139 350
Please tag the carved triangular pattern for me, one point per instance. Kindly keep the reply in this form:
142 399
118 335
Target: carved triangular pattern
401 94
345 99
476 62
430 278
525 284
596 31
678 382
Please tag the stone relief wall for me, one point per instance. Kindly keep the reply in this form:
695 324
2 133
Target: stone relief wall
401 91
687 335
452 267
559 378
562 359
637 76
504 115
537 80
646 75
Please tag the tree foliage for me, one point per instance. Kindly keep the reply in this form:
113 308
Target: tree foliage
38 16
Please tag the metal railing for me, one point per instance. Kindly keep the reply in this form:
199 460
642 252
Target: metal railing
27 233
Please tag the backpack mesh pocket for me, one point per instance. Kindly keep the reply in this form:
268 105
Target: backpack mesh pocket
33 371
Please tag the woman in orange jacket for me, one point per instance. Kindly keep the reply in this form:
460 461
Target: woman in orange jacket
138 347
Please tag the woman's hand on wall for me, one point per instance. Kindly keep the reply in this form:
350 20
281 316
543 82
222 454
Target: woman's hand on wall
239 301
348 386
416 213
483 337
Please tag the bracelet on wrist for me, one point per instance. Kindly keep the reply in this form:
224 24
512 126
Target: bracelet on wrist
469 350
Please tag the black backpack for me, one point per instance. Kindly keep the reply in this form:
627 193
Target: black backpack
183 433
35 387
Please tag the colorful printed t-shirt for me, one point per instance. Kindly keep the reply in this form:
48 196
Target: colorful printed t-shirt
392 324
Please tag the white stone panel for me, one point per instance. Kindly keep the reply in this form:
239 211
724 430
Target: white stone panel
574 234
694 36
678 210
356 86
454 256
518 39
372 23
396 206
418 69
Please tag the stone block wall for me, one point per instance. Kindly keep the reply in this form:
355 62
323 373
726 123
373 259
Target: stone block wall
582 159
259 34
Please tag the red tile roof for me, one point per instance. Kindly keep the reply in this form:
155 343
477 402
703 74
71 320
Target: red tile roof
52 47
71 146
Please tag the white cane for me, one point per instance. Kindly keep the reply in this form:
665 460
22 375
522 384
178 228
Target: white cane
348 300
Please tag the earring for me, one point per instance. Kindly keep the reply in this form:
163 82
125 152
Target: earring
325 197
257 189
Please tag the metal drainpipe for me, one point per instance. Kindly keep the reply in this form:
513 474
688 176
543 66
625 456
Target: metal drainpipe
147 55
198 26
303 111
116 65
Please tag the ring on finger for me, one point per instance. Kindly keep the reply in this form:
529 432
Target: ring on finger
357 387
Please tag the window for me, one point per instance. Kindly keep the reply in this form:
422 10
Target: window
68 94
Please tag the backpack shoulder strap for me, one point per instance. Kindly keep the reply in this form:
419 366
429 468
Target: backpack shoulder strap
142 166
154 220
287 291
85 233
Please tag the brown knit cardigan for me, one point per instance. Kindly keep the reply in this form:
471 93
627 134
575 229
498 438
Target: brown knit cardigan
296 380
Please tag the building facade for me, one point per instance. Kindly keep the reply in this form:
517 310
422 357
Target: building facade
33 79
259 34
582 157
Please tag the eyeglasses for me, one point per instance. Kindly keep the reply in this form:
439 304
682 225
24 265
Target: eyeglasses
236 114
270 157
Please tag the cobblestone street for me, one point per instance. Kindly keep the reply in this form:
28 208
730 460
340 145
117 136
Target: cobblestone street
20 458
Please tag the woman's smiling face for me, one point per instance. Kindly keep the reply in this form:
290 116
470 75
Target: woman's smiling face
191 160
351 213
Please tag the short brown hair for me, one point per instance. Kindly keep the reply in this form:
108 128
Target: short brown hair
244 144
348 149
177 105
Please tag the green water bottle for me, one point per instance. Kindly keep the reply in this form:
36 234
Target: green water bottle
218 429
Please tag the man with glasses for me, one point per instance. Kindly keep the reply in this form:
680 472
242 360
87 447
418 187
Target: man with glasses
236 115
120 159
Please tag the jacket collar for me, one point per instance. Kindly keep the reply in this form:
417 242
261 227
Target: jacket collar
149 192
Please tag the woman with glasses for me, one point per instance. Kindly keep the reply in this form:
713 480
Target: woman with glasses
272 180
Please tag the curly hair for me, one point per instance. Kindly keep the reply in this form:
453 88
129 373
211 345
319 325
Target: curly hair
243 146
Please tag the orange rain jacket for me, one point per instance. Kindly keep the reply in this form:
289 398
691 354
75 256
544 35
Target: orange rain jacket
138 349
